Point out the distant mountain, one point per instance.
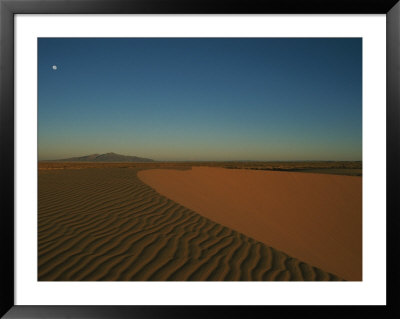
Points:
(107, 158)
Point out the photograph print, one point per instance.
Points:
(199, 159)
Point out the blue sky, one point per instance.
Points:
(201, 99)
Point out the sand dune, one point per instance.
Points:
(106, 224)
(314, 217)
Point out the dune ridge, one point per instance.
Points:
(106, 224)
(314, 217)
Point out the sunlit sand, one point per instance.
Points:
(314, 217)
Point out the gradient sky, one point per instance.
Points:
(201, 99)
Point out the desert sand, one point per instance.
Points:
(316, 218)
(100, 222)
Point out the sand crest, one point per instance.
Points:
(103, 223)
(316, 218)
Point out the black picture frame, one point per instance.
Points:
(8, 8)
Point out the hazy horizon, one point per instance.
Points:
(236, 99)
(233, 160)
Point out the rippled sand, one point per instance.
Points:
(104, 223)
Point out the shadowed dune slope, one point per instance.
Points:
(314, 217)
(106, 224)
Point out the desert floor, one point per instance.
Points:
(314, 217)
(102, 222)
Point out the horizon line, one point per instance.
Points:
(187, 161)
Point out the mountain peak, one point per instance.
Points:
(110, 157)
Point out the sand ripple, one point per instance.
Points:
(106, 224)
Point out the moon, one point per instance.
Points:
(54, 67)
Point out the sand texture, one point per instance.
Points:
(316, 218)
(106, 224)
